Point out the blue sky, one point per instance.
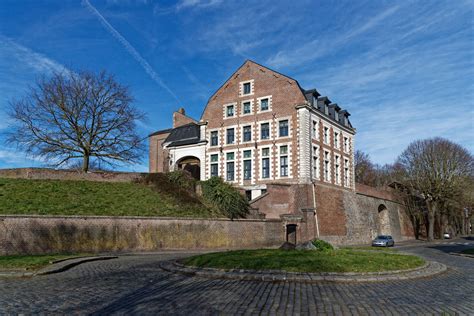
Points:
(403, 69)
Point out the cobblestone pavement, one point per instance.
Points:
(136, 285)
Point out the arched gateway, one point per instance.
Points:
(191, 164)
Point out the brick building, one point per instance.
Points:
(289, 149)
(260, 127)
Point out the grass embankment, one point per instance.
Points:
(342, 260)
(153, 197)
(32, 262)
(468, 251)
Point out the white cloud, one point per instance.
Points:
(325, 44)
(186, 4)
(25, 55)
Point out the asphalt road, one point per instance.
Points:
(136, 285)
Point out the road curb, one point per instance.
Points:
(56, 266)
(67, 264)
(430, 268)
(461, 254)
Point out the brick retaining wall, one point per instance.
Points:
(55, 234)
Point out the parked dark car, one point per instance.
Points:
(383, 241)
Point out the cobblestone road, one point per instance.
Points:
(136, 284)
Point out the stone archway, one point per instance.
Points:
(383, 221)
(192, 165)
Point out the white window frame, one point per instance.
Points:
(211, 163)
(218, 138)
(259, 102)
(315, 132)
(326, 137)
(337, 143)
(288, 155)
(328, 159)
(337, 169)
(234, 104)
(347, 169)
(259, 130)
(224, 176)
(252, 162)
(288, 118)
(242, 107)
(241, 88)
(260, 164)
(236, 130)
(345, 146)
(252, 136)
(316, 169)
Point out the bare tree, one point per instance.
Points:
(364, 168)
(436, 170)
(77, 116)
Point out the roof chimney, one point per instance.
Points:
(180, 118)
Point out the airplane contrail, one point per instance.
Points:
(130, 49)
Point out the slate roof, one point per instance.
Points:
(317, 102)
(163, 131)
(184, 135)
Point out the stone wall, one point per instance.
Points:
(46, 173)
(54, 234)
(283, 198)
(346, 217)
(342, 217)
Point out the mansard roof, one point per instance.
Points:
(332, 106)
(184, 135)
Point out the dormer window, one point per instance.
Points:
(326, 109)
(336, 115)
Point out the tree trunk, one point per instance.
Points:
(431, 219)
(85, 163)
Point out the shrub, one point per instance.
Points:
(322, 245)
(182, 179)
(225, 197)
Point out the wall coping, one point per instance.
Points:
(71, 171)
(91, 217)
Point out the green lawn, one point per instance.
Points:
(342, 260)
(60, 197)
(32, 262)
(468, 251)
